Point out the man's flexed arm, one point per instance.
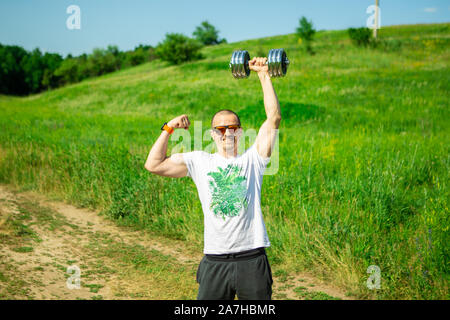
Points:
(157, 160)
(267, 134)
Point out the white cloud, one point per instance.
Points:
(430, 10)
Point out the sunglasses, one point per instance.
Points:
(223, 129)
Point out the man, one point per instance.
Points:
(229, 188)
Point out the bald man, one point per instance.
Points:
(229, 188)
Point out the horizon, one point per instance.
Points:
(276, 35)
(126, 26)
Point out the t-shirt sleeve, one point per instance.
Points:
(188, 160)
(191, 159)
(260, 162)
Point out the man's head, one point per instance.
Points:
(226, 138)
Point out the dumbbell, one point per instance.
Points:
(277, 62)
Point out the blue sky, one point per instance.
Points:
(127, 23)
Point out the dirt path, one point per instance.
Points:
(40, 239)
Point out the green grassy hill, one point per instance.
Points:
(363, 152)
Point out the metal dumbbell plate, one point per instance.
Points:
(278, 62)
(239, 64)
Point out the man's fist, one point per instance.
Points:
(258, 65)
(179, 122)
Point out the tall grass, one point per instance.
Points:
(364, 153)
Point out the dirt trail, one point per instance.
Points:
(40, 239)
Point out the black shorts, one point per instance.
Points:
(246, 274)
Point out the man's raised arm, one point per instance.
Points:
(267, 134)
(157, 160)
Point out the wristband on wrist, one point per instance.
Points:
(167, 128)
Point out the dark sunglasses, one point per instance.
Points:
(223, 129)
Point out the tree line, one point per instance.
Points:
(24, 72)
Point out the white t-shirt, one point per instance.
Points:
(230, 193)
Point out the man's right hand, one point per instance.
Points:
(180, 122)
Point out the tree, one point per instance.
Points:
(133, 58)
(68, 71)
(113, 49)
(178, 48)
(51, 62)
(12, 75)
(33, 68)
(140, 54)
(207, 34)
(23, 72)
(149, 52)
(306, 32)
(102, 61)
(84, 67)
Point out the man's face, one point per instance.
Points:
(230, 138)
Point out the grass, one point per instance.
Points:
(303, 293)
(363, 166)
(94, 287)
(23, 249)
(142, 272)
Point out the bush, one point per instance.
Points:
(140, 54)
(360, 36)
(178, 48)
(306, 32)
(207, 34)
(103, 61)
(68, 71)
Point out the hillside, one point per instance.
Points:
(363, 153)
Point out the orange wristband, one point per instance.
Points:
(167, 128)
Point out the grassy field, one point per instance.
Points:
(363, 153)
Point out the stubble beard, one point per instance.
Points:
(229, 147)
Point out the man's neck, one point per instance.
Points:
(230, 154)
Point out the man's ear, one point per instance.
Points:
(239, 132)
(213, 134)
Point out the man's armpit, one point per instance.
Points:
(177, 158)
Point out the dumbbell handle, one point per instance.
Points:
(285, 61)
(267, 62)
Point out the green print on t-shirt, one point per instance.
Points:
(228, 191)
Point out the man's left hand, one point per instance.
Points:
(259, 65)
